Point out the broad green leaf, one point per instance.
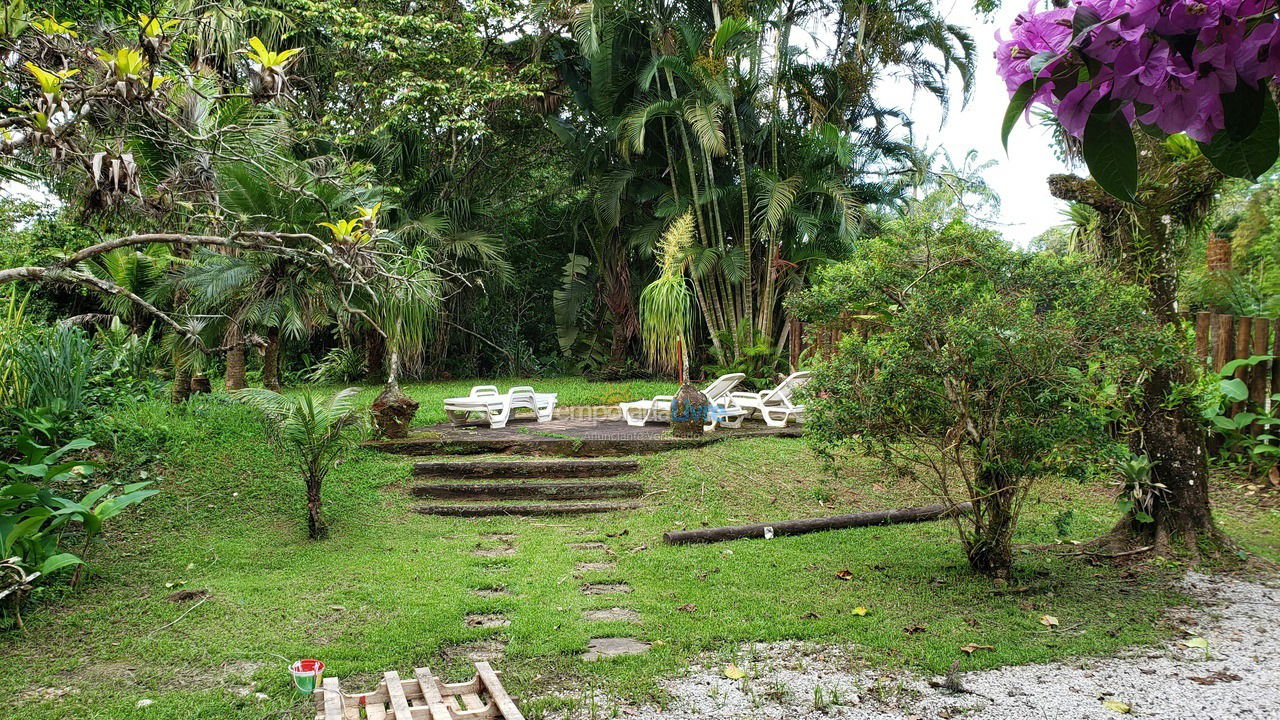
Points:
(1017, 106)
(1251, 156)
(1230, 368)
(1234, 389)
(1111, 155)
(57, 562)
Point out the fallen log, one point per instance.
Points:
(808, 525)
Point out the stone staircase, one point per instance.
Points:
(505, 487)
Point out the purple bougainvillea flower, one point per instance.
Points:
(1175, 59)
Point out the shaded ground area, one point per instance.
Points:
(575, 431)
(1232, 676)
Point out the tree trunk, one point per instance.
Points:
(235, 369)
(235, 360)
(181, 381)
(619, 298)
(271, 361)
(995, 514)
(374, 355)
(316, 528)
(1138, 240)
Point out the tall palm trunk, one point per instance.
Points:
(181, 380)
(708, 313)
(743, 187)
(271, 361)
(235, 358)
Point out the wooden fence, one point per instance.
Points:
(1221, 338)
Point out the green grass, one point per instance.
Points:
(390, 588)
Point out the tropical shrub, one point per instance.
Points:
(38, 521)
(314, 433)
(1249, 436)
(985, 367)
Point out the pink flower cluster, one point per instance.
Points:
(1167, 62)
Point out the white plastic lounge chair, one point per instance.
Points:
(722, 410)
(775, 405)
(497, 407)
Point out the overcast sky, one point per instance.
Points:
(1026, 207)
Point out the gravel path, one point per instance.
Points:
(1241, 679)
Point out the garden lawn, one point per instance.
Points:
(390, 588)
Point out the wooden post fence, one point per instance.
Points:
(1221, 338)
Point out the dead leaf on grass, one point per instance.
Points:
(859, 611)
(688, 607)
(1048, 621)
(844, 575)
(913, 629)
(972, 647)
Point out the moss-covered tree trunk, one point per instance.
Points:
(374, 355)
(1140, 239)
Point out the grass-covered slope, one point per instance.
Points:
(390, 588)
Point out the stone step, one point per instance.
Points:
(584, 490)
(559, 508)
(573, 468)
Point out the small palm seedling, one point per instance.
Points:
(269, 78)
(314, 432)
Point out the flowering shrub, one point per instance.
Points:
(1199, 67)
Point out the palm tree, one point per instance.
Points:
(774, 151)
(315, 433)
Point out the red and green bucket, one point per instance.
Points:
(306, 675)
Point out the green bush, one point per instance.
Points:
(984, 367)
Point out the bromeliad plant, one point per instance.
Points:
(314, 432)
(269, 78)
(50, 87)
(127, 69)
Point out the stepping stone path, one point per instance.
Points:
(606, 589)
(482, 651)
(494, 552)
(615, 614)
(505, 481)
(607, 647)
(524, 481)
(604, 648)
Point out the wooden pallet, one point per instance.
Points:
(424, 697)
